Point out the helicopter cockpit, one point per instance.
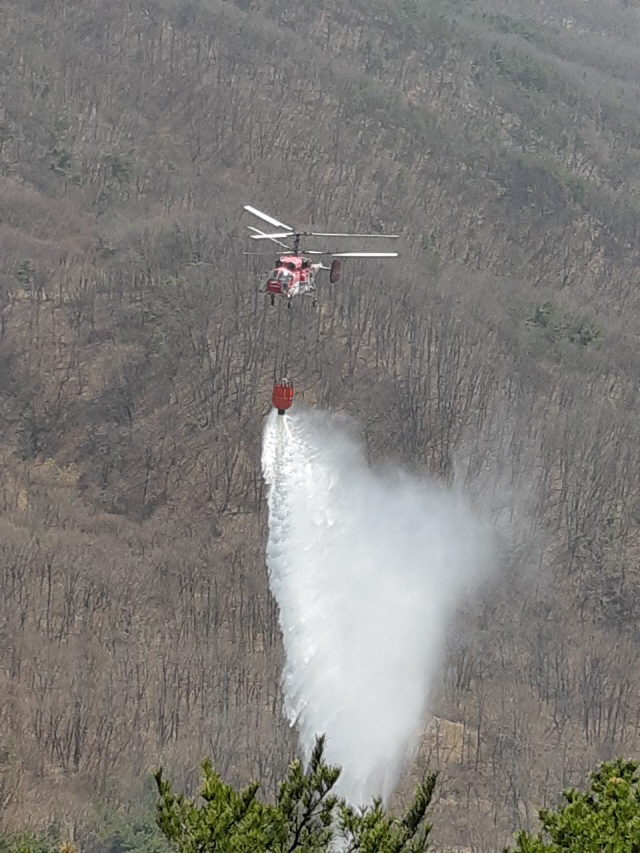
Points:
(284, 276)
(280, 280)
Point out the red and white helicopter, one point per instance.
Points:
(294, 273)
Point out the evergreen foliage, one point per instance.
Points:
(136, 831)
(25, 842)
(604, 819)
(307, 816)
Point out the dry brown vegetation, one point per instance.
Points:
(136, 358)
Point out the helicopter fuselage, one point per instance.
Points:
(293, 275)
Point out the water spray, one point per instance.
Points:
(368, 568)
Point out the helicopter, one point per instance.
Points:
(295, 272)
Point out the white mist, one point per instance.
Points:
(367, 568)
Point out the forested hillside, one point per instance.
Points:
(502, 141)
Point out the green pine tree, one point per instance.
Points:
(306, 817)
(604, 819)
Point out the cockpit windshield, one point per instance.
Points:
(283, 276)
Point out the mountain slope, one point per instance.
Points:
(137, 359)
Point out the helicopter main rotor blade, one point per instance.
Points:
(365, 255)
(267, 236)
(266, 218)
(272, 236)
(360, 236)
